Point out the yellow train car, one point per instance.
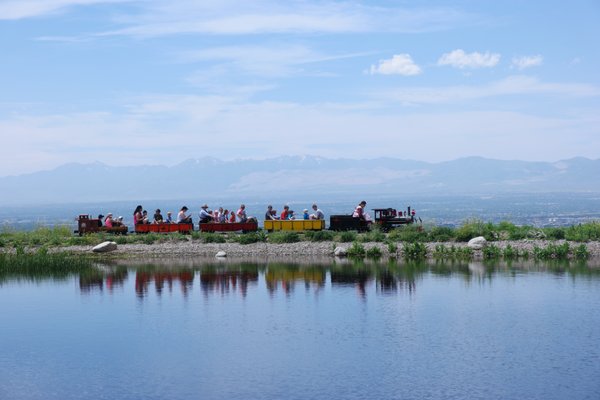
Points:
(295, 225)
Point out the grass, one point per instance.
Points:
(356, 250)
(414, 251)
(41, 264)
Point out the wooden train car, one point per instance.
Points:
(164, 228)
(228, 227)
(85, 224)
(295, 225)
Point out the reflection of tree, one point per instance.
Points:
(286, 276)
(225, 280)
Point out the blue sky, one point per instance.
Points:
(157, 81)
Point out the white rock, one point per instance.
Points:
(221, 253)
(477, 243)
(105, 247)
(340, 252)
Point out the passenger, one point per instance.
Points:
(223, 217)
(305, 215)
(100, 216)
(158, 218)
(108, 221)
(291, 215)
(284, 213)
(241, 213)
(205, 215)
(182, 218)
(232, 217)
(137, 215)
(145, 217)
(219, 215)
(118, 221)
(318, 213)
(270, 214)
(359, 211)
(169, 219)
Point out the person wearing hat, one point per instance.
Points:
(305, 215)
(158, 219)
(108, 221)
(100, 216)
(169, 219)
(205, 215)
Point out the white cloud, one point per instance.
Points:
(399, 64)
(526, 61)
(19, 9)
(459, 59)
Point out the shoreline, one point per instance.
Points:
(304, 249)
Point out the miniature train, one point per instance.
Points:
(384, 218)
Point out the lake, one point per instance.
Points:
(181, 329)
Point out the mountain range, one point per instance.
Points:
(290, 177)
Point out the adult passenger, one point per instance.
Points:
(359, 211)
(318, 214)
(285, 212)
(270, 214)
(182, 218)
(158, 218)
(241, 214)
(205, 215)
(108, 221)
(137, 215)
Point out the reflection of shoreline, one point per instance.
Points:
(225, 281)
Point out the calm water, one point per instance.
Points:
(284, 331)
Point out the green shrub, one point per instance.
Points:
(392, 248)
(374, 252)
(581, 252)
(249, 238)
(373, 236)
(491, 252)
(408, 233)
(210, 237)
(319, 236)
(554, 233)
(510, 253)
(473, 228)
(356, 250)
(283, 237)
(414, 251)
(348, 236)
(583, 232)
(552, 251)
(441, 234)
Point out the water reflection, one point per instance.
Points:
(286, 276)
(102, 277)
(145, 276)
(223, 281)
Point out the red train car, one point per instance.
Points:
(164, 228)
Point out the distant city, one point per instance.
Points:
(547, 209)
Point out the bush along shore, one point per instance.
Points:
(504, 241)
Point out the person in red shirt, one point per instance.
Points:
(285, 212)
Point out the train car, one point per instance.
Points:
(295, 225)
(164, 228)
(347, 223)
(85, 224)
(385, 218)
(229, 227)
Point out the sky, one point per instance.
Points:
(161, 81)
